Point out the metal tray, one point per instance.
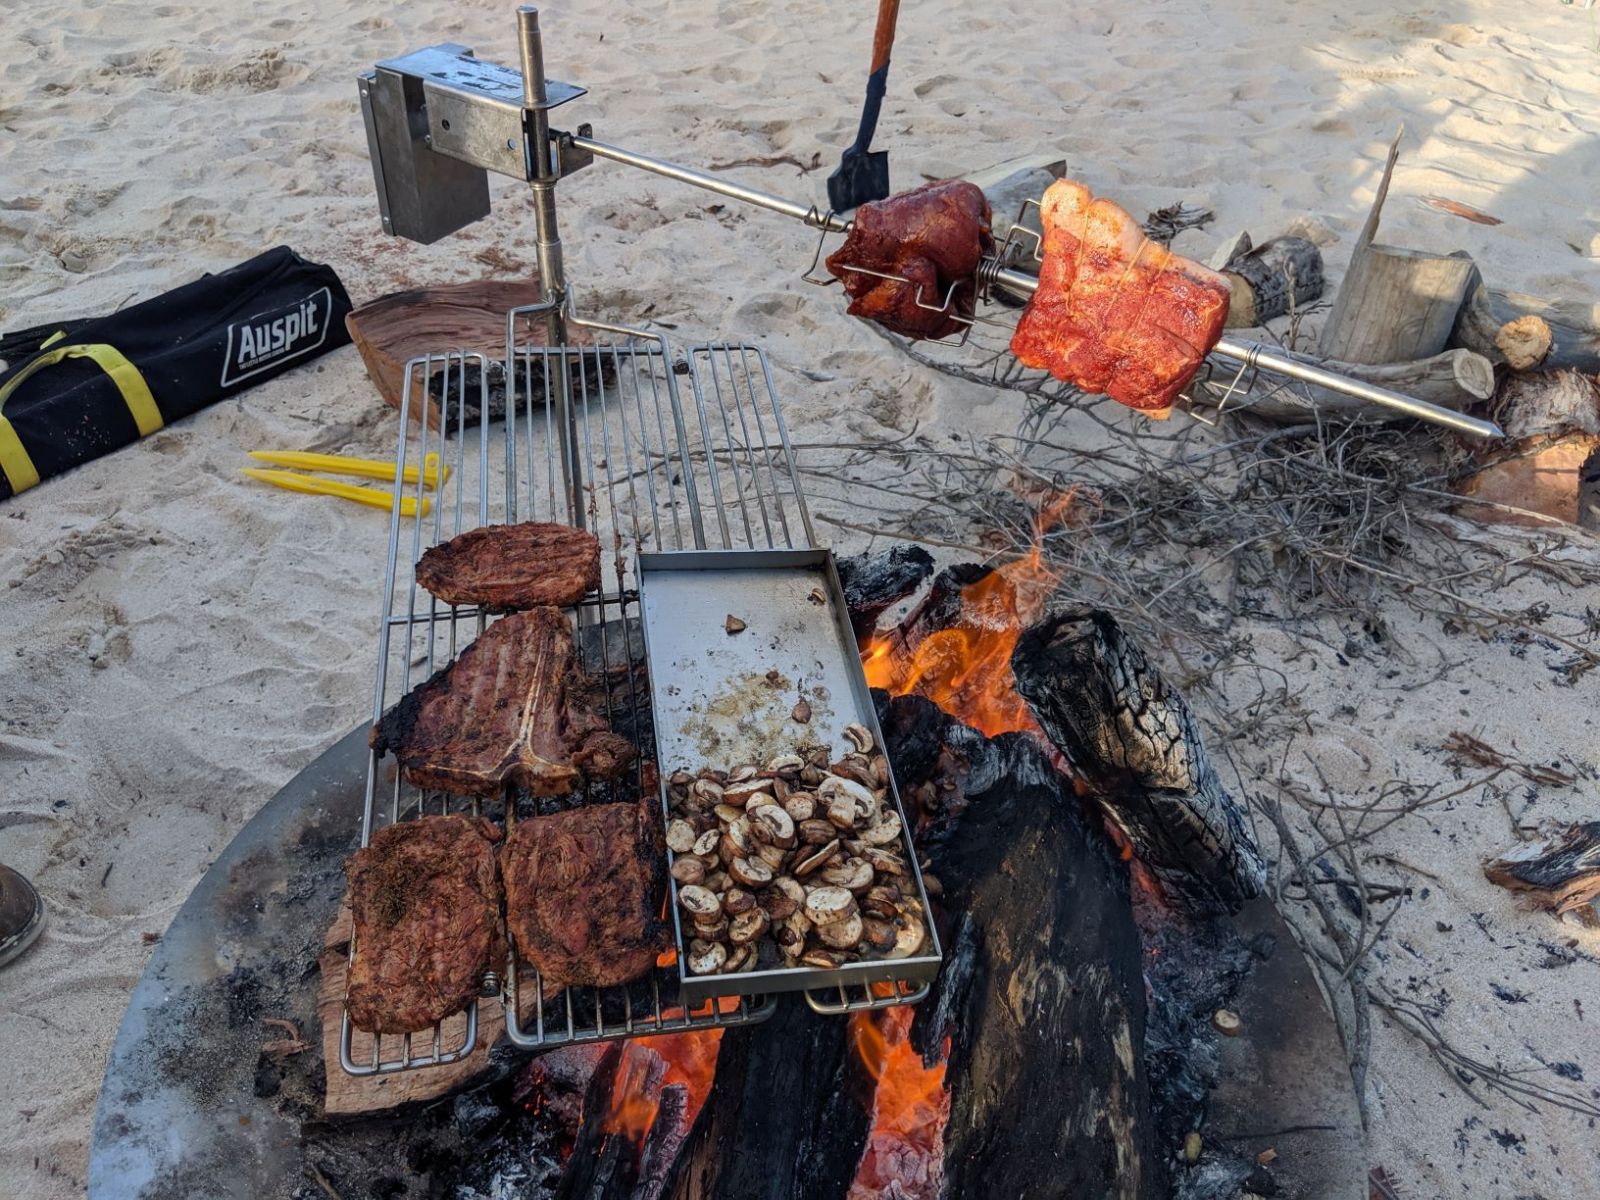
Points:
(716, 703)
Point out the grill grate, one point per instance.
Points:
(662, 453)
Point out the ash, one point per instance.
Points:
(1193, 967)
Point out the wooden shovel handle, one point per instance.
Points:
(883, 36)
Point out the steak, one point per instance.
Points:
(1115, 312)
(426, 904)
(933, 238)
(584, 892)
(509, 567)
(513, 709)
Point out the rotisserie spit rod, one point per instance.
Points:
(1251, 354)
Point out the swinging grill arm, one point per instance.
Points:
(1251, 354)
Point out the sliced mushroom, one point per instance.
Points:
(734, 625)
(882, 901)
(878, 935)
(884, 831)
(706, 958)
(717, 881)
(860, 737)
(783, 898)
(841, 935)
(711, 931)
(910, 938)
(801, 806)
(854, 874)
(788, 940)
(689, 869)
(727, 813)
(778, 823)
(700, 901)
(786, 764)
(742, 959)
(737, 900)
(835, 791)
(880, 770)
(825, 905)
(708, 790)
(824, 960)
(885, 862)
(751, 872)
(681, 778)
(680, 836)
(801, 712)
(746, 790)
(774, 856)
(736, 841)
(816, 832)
(741, 773)
(748, 926)
(811, 862)
(855, 767)
(811, 776)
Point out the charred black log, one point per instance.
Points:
(1129, 735)
(1041, 998)
(875, 582)
(783, 1119)
(1558, 874)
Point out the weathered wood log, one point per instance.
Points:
(1394, 304)
(1131, 737)
(1558, 874)
(1525, 342)
(1457, 379)
(1269, 280)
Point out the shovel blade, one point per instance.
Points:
(863, 175)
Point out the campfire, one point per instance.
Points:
(1030, 1053)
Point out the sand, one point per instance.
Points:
(178, 642)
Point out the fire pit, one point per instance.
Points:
(1066, 1038)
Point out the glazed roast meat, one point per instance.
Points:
(1116, 312)
(426, 906)
(513, 709)
(584, 893)
(505, 568)
(934, 236)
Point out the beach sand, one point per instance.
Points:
(176, 642)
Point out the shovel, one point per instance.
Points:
(863, 173)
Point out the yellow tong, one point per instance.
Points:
(431, 474)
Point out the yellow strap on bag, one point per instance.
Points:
(14, 461)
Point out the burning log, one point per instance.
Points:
(873, 583)
(1041, 1005)
(1559, 874)
(1129, 735)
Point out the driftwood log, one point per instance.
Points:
(1395, 304)
(1558, 874)
(1131, 737)
(1271, 279)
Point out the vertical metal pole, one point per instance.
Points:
(552, 276)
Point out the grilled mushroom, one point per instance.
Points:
(783, 898)
(751, 872)
(727, 813)
(811, 862)
(706, 844)
(825, 960)
(689, 869)
(841, 935)
(910, 938)
(882, 901)
(736, 901)
(877, 935)
(741, 773)
(711, 930)
(815, 831)
(708, 790)
(786, 764)
(742, 959)
(706, 958)
(853, 874)
(748, 926)
(884, 831)
(746, 790)
(884, 861)
(860, 737)
(779, 824)
(717, 881)
(825, 905)
(856, 767)
(774, 856)
(847, 797)
(680, 836)
(801, 806)
(699, 901)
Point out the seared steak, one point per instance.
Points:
(426, 905)
(513, 709)
(509, 567)
(583, 894)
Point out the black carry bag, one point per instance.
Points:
(87, 388)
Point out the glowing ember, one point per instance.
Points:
(691, 1060)
(904, 1155)
(966, 669)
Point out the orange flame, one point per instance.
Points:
(904, 1155)
(966, 669)
(691, 1060)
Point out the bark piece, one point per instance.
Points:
(1559, 874)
